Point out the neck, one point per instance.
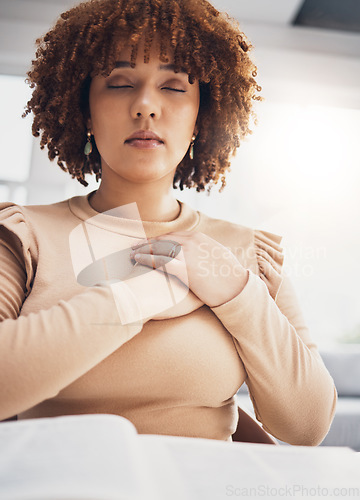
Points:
(153, 205)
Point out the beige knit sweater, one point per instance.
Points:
(64, 351)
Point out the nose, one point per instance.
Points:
(145, 104)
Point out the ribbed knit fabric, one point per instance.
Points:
(64, 349)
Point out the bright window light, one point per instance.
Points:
(299, 176)
(4, 192)
(15, 132)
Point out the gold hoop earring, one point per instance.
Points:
(191, 151)
(88, 146)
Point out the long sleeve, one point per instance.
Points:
(43, 352)
(293, 394)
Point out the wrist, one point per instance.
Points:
(235, 288)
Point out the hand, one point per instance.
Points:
(209, 269)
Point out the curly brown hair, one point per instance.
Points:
(84, 43)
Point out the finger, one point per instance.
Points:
(143, 242)
(153, 261)
(165, 265)
(159, 247)
(153, 264)
(139, 244)
(154, 244)
(176, 234)
(163, 237)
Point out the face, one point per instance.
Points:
(142, 118)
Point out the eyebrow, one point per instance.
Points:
(162, 67)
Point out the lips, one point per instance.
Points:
(144, 135)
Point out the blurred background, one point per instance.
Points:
(298, 175)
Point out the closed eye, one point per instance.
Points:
(171, 88)
(130, 87)
(119, 87)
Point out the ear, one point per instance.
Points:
(88, 124)
(196, 128)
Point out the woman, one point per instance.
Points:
(127, 301)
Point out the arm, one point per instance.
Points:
(293, 394)
(42, 353)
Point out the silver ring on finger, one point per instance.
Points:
(173, 252)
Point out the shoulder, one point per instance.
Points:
(262, 240)
(20, 224)
(20, 231)
(13, 223)
(20, 218)
(257, 249)
(15, 216)
(17, 239)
